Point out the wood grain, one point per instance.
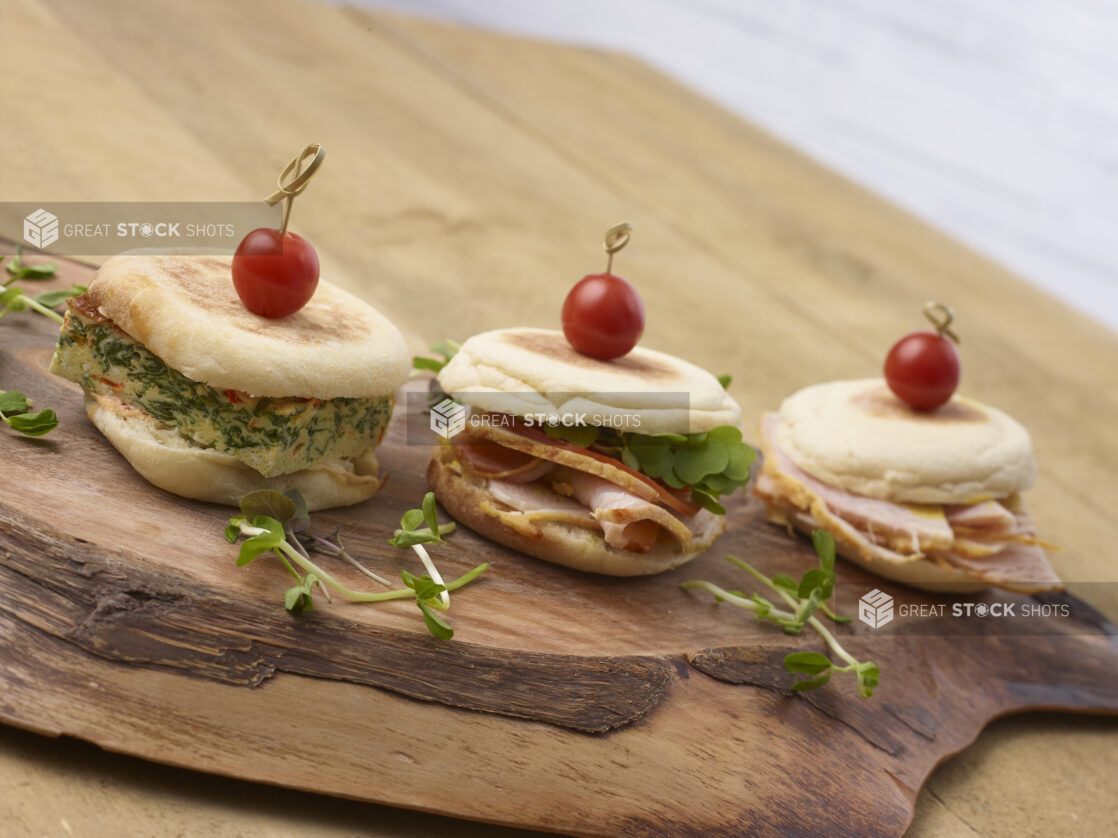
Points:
(155, 618)
(140, 588)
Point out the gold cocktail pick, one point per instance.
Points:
(616, 238)
(300, 177)
(941, 317)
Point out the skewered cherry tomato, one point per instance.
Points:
(922, 369)
(603, 316)
(275, 275)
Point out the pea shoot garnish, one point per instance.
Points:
(14, 298)
(446, 348)
(14, 406)
(276, 523)
(14, 412)
(804, 598)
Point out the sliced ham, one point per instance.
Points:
(988, 517)
(817, 516)
(912, 530)
(534, 497)
(538, 444)
(1018, 567)
(985, 528)
(609, 503)
(975, 549)
(582, 487)
(639, 537)
(534, 503)
(626, 521)
(992, 541)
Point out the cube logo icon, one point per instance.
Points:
(40, 229)
(448, 418)
(875, 609)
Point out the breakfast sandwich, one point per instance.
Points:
(928, 498)
(610, 466)
(210, 401)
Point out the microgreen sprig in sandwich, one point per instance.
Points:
(710, 464)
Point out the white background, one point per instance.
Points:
(996, 120)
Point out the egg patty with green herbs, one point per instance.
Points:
(272, 435)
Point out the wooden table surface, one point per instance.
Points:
(468, 180)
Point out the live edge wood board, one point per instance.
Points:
(566, 702)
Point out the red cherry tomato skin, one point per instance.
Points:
(603, 316)
(274, 276)
(922, 369)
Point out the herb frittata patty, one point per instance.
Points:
(272, 435)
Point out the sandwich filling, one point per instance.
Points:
(533, 478)
(992, 540)
(274, 436)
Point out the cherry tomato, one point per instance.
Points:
(603, 316)
(275, 276)
(923, 370)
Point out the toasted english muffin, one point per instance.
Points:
(186, 311)
(571, 545)
(526, 371)
(858, 436)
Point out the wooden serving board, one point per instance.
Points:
(566, 702)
